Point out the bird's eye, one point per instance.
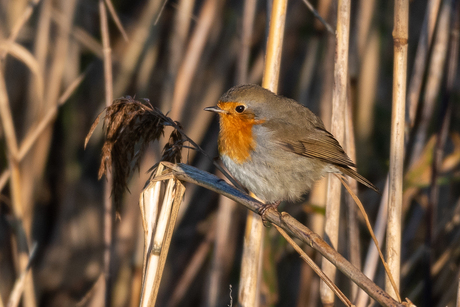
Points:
(240, 108)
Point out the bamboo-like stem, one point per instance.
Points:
(158, 239)
(400, 37)
(274, 45)
(253, 239)
(250, 261)
(108, 204)
(339, 98)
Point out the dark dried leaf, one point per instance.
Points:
(129, 126)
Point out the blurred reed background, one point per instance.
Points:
(182, 55)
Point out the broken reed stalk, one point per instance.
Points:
(250, 274)
(400, 38)
(157, 235)
(108, 201)
(339, 101)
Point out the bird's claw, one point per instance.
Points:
(263, 211)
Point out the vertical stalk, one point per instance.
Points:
(423, 47)
(352, 216)
(400, 37)
(339, 98)
(108, 206)
(249, 278)
(225, 216)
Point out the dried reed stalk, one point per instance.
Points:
(400, 37)
(177, 45)
(16, 193)
(285, 221)
(194, 51)
(158, 239)
(372, 257)
(225, 234)
(249, 285)
(19, 285)
(108, 204)
(423, 47)
(224, 250)
(132, 54)
(196, 264)
(253, 239)
(18, 26)
(315, 268)
(352, 217)
(435, 74)
(339, 99)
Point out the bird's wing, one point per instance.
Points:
(316, 143)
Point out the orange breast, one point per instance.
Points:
(236, 139)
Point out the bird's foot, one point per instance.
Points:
(263, 210)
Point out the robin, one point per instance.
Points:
(276, 147)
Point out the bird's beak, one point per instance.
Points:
(214, 109)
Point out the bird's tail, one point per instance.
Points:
(354, 174)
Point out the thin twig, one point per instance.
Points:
(368, 224)
(318, 16)
(20, 282)
(108, 204)
(160, 13)
(315, 268)
(117, 21)
(18, 26)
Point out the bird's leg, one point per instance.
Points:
(264, 209)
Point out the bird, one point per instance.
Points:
(276, 147)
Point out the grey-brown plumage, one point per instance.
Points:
(288, 148)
